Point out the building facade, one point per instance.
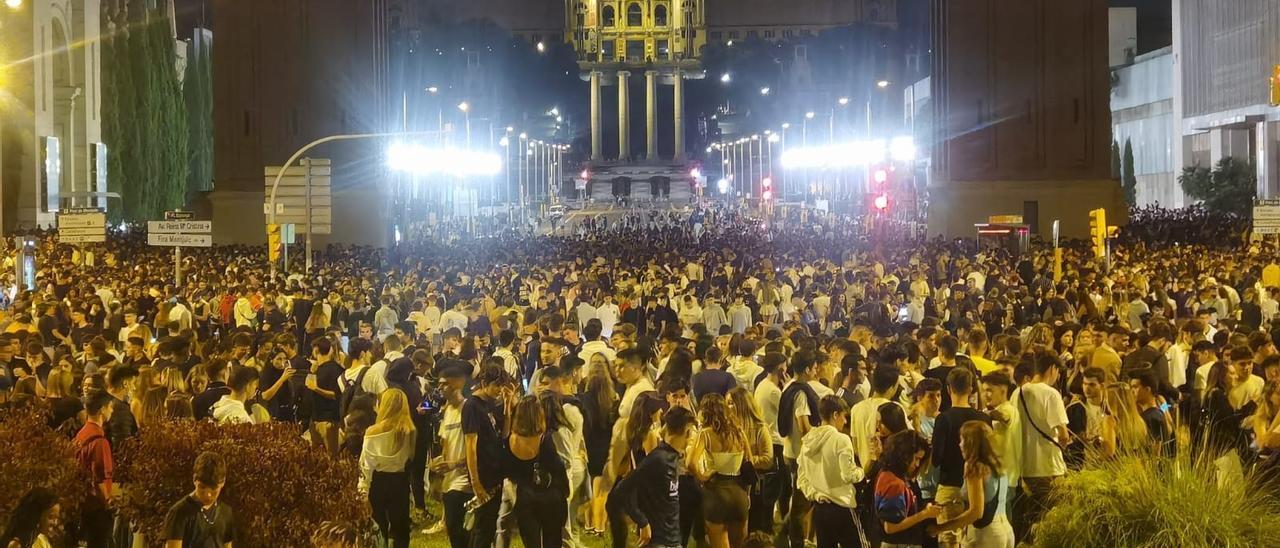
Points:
(1021, 120)
(1223, 55)
(1142, 119)
(51, 155)
(286, 73)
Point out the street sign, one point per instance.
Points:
(180, 240)
(304, 196)
(1005, 219)
(176, 227)
(82, 226)
(90, 239)
(1266, 216)
(179, 215)
(82, 220)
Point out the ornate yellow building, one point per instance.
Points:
(663, 39)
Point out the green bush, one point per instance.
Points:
(280, 488)
(1146, 501)
(32, 455)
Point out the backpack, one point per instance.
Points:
(353, 391)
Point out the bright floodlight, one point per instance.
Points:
(882, 84)
(464, 106)
(725, 78)
(809, 115)
(902, 149)
(723, 186)
(420, 160)
(764, 90)
(843, 101)
(785, 125)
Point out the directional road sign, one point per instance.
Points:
(180, 240)
(177, 227)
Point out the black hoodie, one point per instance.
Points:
(650, 495)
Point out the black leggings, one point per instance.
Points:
(541, 515)
(454, 514)
(834, 526)
(389, 498)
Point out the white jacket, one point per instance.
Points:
(229, 411)
(381, 453)
(825, 469)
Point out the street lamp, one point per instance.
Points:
(466, 115)
(541, 47)
(433, 89)
(764, 90)
(882, 84)
(725, 78)
(843, 101)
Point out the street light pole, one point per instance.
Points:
(275, 184)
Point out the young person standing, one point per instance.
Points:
(649, 495)
(384, 457)
(200, 519)
(826, 473)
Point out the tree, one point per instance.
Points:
(144, 118)
(1129, 181)
(1229, 188)
(197, 88)
(1115, 159)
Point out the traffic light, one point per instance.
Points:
(880, 176)
(766, 188)
(275, 245)
(882, 202)
(1275, 85)
(1098, 232)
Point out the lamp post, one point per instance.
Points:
(465, 107)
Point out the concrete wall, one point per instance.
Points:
(956, 207)
(359, 218)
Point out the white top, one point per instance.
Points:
(1044, 408)
(454, 450)
(791, 444)
(629, 397)
(863, 419)
(1247, 391)
(768, 398)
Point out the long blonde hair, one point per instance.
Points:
(1118, 402)
(977, 440)
(394, 416)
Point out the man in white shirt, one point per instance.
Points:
(864, 418)
(454, 318)
(631, 373)
(768, 396)
(1041, 433)
(608, 314)
(375, 381)
(713, 316)
(1206, 355)
(592, 332)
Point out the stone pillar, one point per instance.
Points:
(651, 113)
(678, 108)
(596, 153)
(1267, 159)
(624, 117)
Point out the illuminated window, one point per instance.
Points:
(635, 15)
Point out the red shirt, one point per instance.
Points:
(93, 452)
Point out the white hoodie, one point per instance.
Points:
(825, 469)
(229, 411)
(380, 453)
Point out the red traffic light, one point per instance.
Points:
(767, 194)
(767, 182)
(882, 201)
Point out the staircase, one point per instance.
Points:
(642, 176)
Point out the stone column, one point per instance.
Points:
(678, 108)
(596, 152)
(624, 117)
(651, 113)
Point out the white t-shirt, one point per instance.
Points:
(455, 450)
(1043, 407)
(791, 445)
(768, 398)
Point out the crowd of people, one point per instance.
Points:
(714, 379)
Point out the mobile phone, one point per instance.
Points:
(425, 405)
(1164, 407)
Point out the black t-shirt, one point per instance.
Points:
(325, 409)
(46, 325)
(199, 528)
(1158, 429)
(281, 407)
(946, 443)
(484, 419)
(712, 381)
